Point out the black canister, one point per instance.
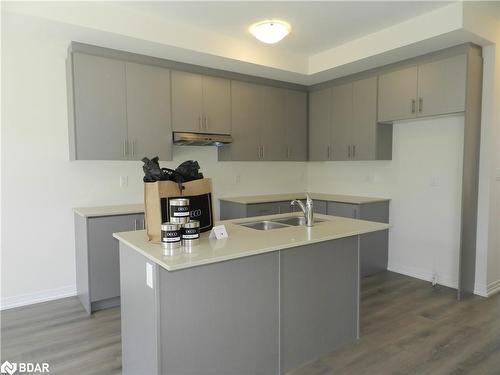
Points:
(190, 234)
(179, 210)
(171, 234)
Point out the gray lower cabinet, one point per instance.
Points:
(117, 110)
(97, 258)
(263, 314)
(231, 210)
(374, 247)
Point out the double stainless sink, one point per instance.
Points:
(278, 223)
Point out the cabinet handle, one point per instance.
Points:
(353, 151)
(420, 105)
(288, 152)
(328, 152)
(124, 147)
(413, 106)
(205, 120)
(135, 224)
(143, 223)
(355, 213)
(258, 152)
(133, 147)
(349, 152)
(200, 125)
(263, 151)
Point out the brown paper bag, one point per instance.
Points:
(156, 198)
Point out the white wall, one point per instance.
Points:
(423, 181)
(40, 185)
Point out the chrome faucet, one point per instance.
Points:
(307, 209)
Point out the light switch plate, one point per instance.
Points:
(123, 181)
(149, 275)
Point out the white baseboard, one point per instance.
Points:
(37, 297)
(422, 274)
(493, 288)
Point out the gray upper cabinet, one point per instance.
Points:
(365, 131)
(273, 127)
(342, 114)
(120, 110)
(187, 102)
(268, 123)
(200, 104)
(343, 123)
(441, 86)
(148, 111)
(246, 109)
(217, 105)
(397, 93)
(320, 116)
(429, 89)
(99, 107)
(296, 125)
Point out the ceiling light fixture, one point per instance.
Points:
(270, 31)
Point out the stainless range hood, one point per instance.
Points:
(199, 139)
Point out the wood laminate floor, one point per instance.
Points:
(407, 327)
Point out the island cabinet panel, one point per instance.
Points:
(341, 125)
(222, 318)
(374, 247)
(139, 313)
(97, 258)
(319, 300)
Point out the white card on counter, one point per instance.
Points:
(219, 232)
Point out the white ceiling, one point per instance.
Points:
(316, 26)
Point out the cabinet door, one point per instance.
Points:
(99, 108)
(273, 128)
(104, 260)
(216, 105)
(341, 121)
(343, 209)
(187, 108)
(364, 121)
(441, 86)
(296, 124)
(148, 111)
(263, 209)
(320, 124)
(397, 92)
(246, 112)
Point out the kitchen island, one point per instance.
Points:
(258, 302)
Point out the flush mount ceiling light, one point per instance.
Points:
(270, 31)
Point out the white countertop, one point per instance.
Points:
(351, 199)
(245, 241)
(125, 209)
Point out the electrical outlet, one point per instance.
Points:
(123, 181)
(149, 275)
